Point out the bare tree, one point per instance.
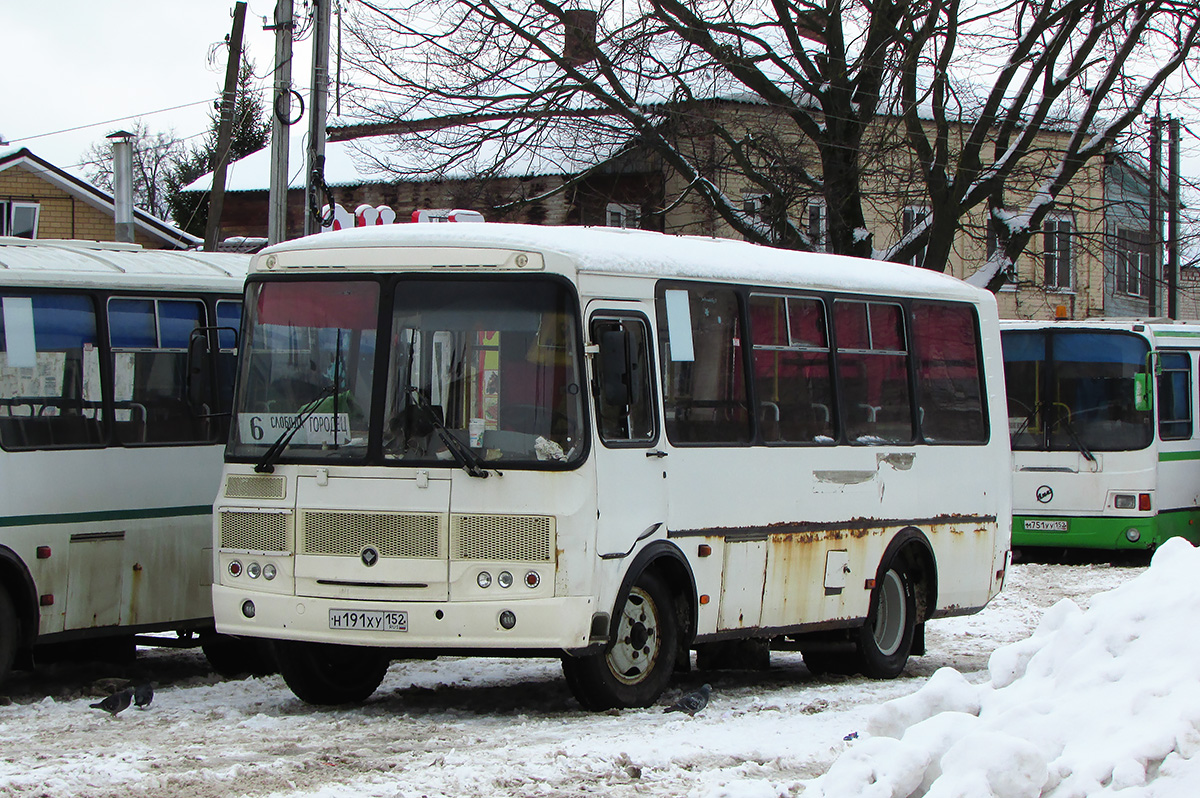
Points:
(963, 108)
(153, 155)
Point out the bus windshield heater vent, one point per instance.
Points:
(254, 487)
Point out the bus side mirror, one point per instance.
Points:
(615, 368)
(1143, 399)
(198, 370)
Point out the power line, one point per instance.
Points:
(110, 121)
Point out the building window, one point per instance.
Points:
(622, 215)
(19, 219)
(910, 219)
(814, 224)
(1059, 271)
(1133, 262)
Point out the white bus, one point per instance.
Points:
(110, 451)
(609, 446)
(1106, 446)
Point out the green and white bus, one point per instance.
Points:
(1103, 420)
(110, 447)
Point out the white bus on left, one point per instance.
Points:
(110, 449)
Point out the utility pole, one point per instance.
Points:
(1155, 210)
(278, 198)
(216, 201)
(317, 103)
(1172, 216)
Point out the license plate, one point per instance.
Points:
(1046, 526)
(369, 620)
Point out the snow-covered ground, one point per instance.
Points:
(1103, 700)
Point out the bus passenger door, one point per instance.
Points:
(630, 468)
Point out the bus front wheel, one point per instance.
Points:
(635, 668)
(886, 639)
(328, 674)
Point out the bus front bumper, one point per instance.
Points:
(561, 624)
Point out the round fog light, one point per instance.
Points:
(253, 570)
(248, 608)
(484, 579)
(508, 619)
(505, 579)
(269, 572)
(1132, 535)
(532, 579)
(235, 568)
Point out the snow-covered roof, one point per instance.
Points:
(69, 262)
(389, 159)
(646, 253)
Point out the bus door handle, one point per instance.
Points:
(656, 453)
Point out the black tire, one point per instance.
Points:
(636, 667)
(886, 639)
(328, 674)
(10, 632)
(233, 657)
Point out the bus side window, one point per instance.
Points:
(1174, 397)
(946, 344)
(704, 383)
(873, 371)
(624, 387)
(150, 340)
(792, 375)
(49, 372)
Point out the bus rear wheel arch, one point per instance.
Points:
(10, 633)
(635, 667)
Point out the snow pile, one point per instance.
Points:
(1098, 703)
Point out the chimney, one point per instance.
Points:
(122, 149)
(579, 35)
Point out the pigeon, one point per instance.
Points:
(691, 703)
(115, 702)
(143, 694)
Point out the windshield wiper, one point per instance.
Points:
(462, 454)
(267, 464)
(1074, 436)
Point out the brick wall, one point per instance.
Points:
(62, 215)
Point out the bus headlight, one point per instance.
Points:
(505, 579)
(484, 579)
(1125, 501)
(1133, 535)
(254, 570)
(269, 572)
(508, 619)
(248, 608)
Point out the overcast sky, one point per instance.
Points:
(100, 65)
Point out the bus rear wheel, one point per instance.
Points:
(886, 639)
(635, 668)
(9, 632)
(328, 674)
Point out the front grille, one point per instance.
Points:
(254, 487)
(518, 538)
(254, 531)
(411, 535)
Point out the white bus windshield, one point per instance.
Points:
(1076, 390)
(484, 372)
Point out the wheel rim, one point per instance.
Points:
(891, 615)
(636, 648)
